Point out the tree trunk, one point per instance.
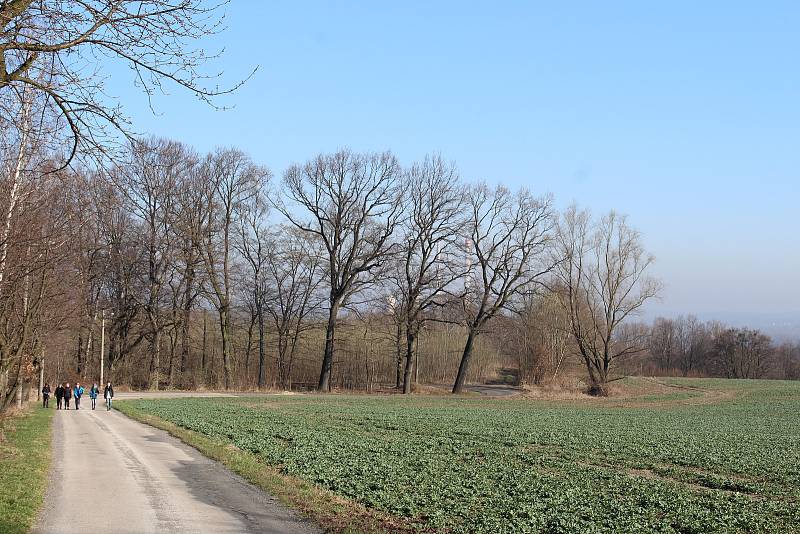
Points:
(398, 374)
(461, 377)
(262, 371)
(41, 379)
(367, 380)
(184, 334)
(185, 321)
(79, 366)
(173, 342)
(327, 359)
(224, 322)
(88, 352)
(410, 338)
(203, 362)
(282, 356)
(597, 380)
(288, 357)
(155, 365)
(249, 351)
(3, 388)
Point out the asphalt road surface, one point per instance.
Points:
(487, 390)
(112, 474)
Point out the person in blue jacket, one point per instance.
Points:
(93, 392)
(78, 393)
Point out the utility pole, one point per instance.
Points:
(41, 377)
(102, 344)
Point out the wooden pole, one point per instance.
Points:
(41, 378)
(102, 345)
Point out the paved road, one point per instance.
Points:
(487, 390)
(112, 474)
(494, 390)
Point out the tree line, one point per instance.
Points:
(162, 236)
(180, 269)
(687, 346)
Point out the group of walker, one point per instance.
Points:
(64, 393)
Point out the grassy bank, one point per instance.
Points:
(710, 456)
(24, 461)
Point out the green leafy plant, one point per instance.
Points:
(731, 464)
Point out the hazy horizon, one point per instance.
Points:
(683, 117)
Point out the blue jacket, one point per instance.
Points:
(78, 392)
(93, 391)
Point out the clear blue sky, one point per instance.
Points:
(683, 115)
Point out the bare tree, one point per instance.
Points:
(537, 337)
(430, 259)
(743, 353)
(122, 283)
(253, 245)
(509, 235)
(664, 343)
(602, 270)
(353, 201)
(52, 47)
(189, 228)
(91, 265)
(679, 343)
(34, 227)
(37, 276)
(232, 179)
(151, 178)
(788, 356)
(294, 272)
(695, 344)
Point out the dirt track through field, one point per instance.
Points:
(113, 474)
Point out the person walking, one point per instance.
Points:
(67, 396)
(59, 396)
(78, 393)
(93, 392)
(108, 394)
(46, 396)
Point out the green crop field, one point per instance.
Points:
(716, 456)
